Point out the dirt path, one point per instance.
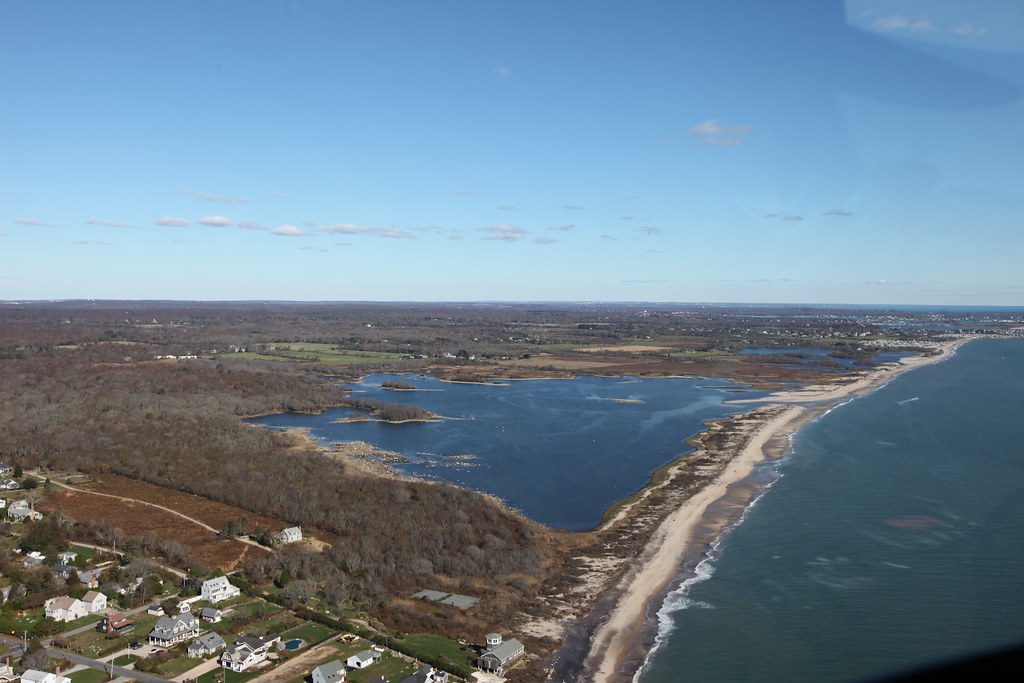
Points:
(299, 666)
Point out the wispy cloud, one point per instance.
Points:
(108, 224)
(564, 228)
(836, 212)
(898, 22)
(626, 218)
(792, 218)
(172, 222)
(572, 207)
(504, 233)
(649, 230)
(279, 195)
(463, 194)
(355, 229)
(714, 134)
(208, 197)
(80, 243)
(320, 250)
(216, 221)
(288, 231)
(641, 282)
(508, 207)
(545, 240)
(785, 217)
(771, 215)
(36, 223)
(250, 225)
(610, 238)
(968, 30)
(655, 251)
(502, 72)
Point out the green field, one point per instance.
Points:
(389, 667)
(95, 644)
(88, 676)
(125, 660)
(321, 354)
(178, 666)
(229, 676)
(438, 648)
(311, 632)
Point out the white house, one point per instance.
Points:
(20, 510)
(9, 485)
(186, 605)
(34, 676)
(363, 659)
(96, 601)
(67, 557)
(173, 630)
(7, 672)
(91, 578)
(65, 608)
(218, 590)
(211, 614)
(292, 534)
(248, 652)
(331, 672)
(33, 559)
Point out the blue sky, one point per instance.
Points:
(763, 151)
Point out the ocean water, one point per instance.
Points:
(893, 538)
(559, 450)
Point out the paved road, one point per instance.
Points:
(75, 658)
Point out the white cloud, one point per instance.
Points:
(968, 30)
(172, 222)
(288, 231)
(649, 230)
(836, 212)
(502, 72)
(35, 223)
(504, 233)
(279, 195)
(564, 228)
(216, 221)
(356, 229)
(898, 22)
(107, 224)
(250, 225)
(207, 197)
(572, 207)
(716, 135)
(545, 240)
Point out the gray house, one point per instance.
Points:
(499, 653)
(331, 672)
(173, 630)
(206, 644)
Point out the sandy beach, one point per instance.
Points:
(613, 647)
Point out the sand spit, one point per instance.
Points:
(637, 553)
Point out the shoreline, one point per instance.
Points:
(620, 629)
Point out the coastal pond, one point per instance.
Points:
(561, 451)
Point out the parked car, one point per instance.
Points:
(134, 646)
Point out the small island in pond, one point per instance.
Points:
(387, 412)
(398, 386)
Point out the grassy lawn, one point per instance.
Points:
(79, 623)
(95, 644)
(311, 632)
(125, 660)
(324, 354)
(429, 645)
(390, 667)
(229, 676)
(88, 676)
(179, 665)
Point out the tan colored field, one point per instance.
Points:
(136, 519)
(626, 348)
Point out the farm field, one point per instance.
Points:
(321, 354)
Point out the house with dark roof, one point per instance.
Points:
(206, 644)
(248, 651)
(499, 653)
(427, 674)
(173, 630)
